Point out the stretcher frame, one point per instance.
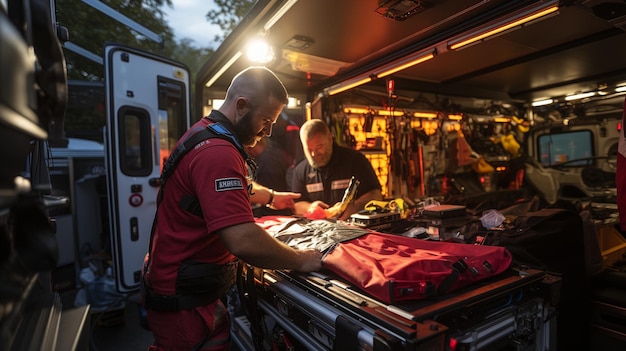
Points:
(321, 311)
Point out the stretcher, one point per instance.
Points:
(320, 311)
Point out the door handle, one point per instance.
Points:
(155, 182)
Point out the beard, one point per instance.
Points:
(312, 161)
(323, 160)
(245, 130)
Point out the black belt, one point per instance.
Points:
(197, 284)
(158, 302)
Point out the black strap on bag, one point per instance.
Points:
(458, 267)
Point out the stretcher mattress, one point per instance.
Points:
(391, 267)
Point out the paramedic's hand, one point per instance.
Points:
(311, 260)
(284, 200)
(317, 210)
(333, 211)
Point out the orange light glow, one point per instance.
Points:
(507, 26)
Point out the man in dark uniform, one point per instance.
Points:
(323, 177)
(204, 220)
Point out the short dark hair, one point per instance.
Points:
(257, 83)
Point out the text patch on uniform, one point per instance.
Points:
(224, 184)
(316, 187)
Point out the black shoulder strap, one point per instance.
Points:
(214, 130)
(181, 150)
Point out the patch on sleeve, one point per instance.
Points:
(225, 184)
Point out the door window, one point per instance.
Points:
(172, 116)
(135, 134)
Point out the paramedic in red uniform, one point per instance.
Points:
(189, 265)
(324, 175)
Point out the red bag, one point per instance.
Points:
(394, 268)
(620, 173)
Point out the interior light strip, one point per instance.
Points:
(356, 110)
(338, 88)
(579, 96)
(542, 102)
(393, 113)
(307, 111)
(425, 115)
(279, 14)
(223, 69)
(406, 64)
(504, 27)
(621, 89)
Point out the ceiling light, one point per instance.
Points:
(259, 51)
(542, 102)
(217, 103)
(299, 42)
(579, 96)
(519, 20)
(223, 69)
(620, 89)
(293, 102)
(343, 86)
(307, 111)
(312, 64)
(386, 70)
(399, 10)
(278, 14)
(406, 63)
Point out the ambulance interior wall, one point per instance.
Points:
(82, 227)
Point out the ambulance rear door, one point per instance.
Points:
(147, 100)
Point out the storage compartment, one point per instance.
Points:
(612, 244)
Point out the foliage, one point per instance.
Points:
(90, 29)
(228, 15)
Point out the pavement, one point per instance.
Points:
(114, 327)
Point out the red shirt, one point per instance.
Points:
(217, 175)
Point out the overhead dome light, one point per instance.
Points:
(259, 51)
(400, 10)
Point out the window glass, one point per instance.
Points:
(172, 115)
(135, 135)
(557, 148)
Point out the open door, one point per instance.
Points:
(148, 110)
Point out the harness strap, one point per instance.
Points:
(177, 302)
(458, 267)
